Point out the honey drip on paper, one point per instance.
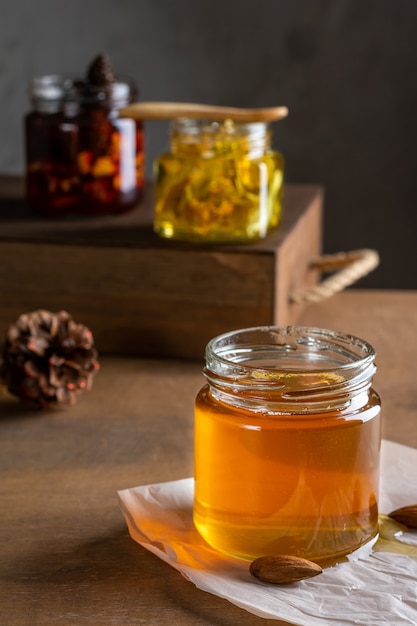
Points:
(388, 541)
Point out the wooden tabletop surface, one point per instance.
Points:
(66, 556)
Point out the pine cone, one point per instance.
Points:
(100, 71)
(48, 359)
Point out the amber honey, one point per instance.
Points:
(287, 437)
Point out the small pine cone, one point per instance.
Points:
(48, 359)
(100, 71)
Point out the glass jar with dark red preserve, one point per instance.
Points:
(82, 158)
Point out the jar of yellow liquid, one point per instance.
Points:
(221, 182)
(287, 443)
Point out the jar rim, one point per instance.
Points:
(196, 126)
(294, 348)
(71, 88)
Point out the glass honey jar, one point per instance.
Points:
(81, 157)
(220, 183)
(287, 444)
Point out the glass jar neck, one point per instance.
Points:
(290, 370)
(59, 93)
(209, 139)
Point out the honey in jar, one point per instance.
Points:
(81, 157)
(287, 442)
(221, 183)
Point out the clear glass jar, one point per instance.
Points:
(287, 443)
(81, 157)
(221, 183)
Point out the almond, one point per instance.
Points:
(282, 569)
(406, 515)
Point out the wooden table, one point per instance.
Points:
(66, 557)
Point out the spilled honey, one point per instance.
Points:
(389, 540)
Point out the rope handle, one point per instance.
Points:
(351, 265)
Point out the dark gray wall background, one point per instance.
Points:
(347, 70)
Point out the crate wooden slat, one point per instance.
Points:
(141, 295)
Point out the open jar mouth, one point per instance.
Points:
(292, 361)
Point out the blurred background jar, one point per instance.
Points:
(220, 183)
(81, 157)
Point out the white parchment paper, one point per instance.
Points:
(379, 589)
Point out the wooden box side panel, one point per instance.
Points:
(139, 301)
(143, 296)
(293, 261)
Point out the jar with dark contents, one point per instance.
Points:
(81, 157)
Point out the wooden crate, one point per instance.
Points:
(141, 295)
